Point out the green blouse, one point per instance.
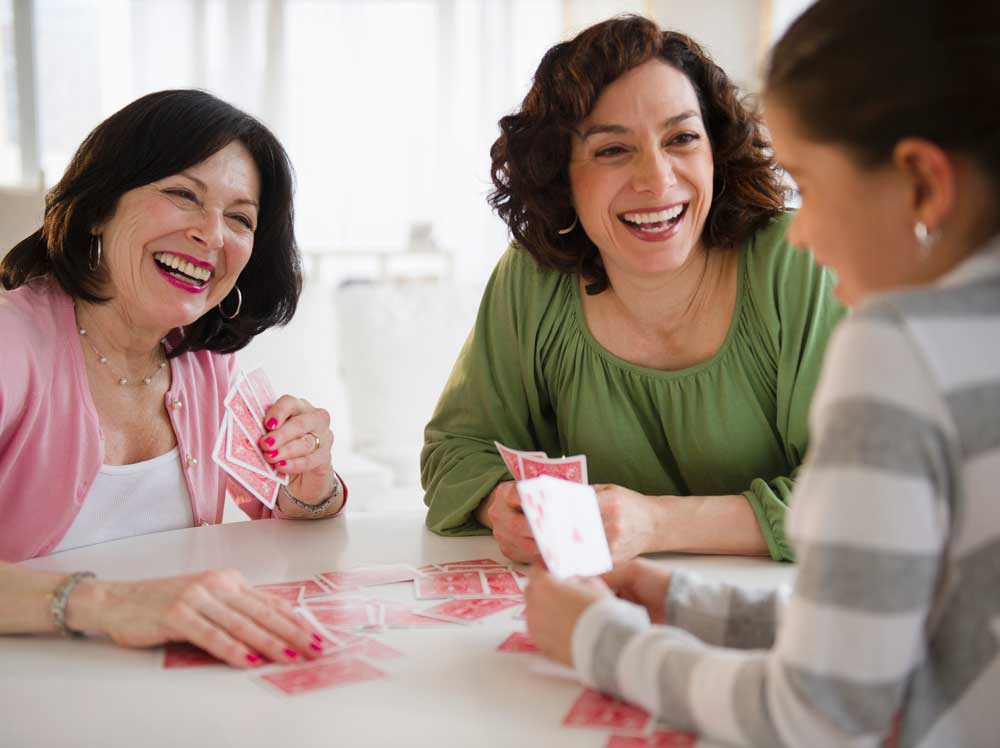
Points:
(531, 376)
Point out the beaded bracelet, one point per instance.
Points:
(59, 599)
(316, 508)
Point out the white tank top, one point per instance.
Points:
(127, 500)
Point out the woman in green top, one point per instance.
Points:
(650, 315)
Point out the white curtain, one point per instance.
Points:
(387, 107)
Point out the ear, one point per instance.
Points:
(930, 175)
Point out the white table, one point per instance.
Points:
(452, 688)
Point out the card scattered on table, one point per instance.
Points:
(596, 710)
(323, 674)
(566, 523)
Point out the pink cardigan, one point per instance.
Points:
(50, 438)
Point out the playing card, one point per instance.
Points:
(261, 387)
(450, 584)
(512, 459)
(396, 615)
(657, 739)
(337, 671)
(344, 616)
(502, 583)
(265, 490)
(238, 407)
(293, 592)
(242, 451)
(474, 563)
(183, 654)
(594, 709)
(370, 649)
(566, 523)
(286, 591)
(519, 615)
(573, 469)
(471, 609)
(243, 385)
(369, 576)
(518, 642)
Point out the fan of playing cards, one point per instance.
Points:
(562, 510)
(236, 447)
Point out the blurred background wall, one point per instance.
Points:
(387, 109)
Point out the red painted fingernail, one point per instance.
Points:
(272, 454)
(317, 638)
(282, 463)
(269, 441)
(291, 653)
(252, 658)
(316, 647)
(272, 423)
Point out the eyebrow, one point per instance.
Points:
(621, 129)
(204, 187)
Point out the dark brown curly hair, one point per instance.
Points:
(530, 159)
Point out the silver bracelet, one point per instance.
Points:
(59, 599)
(315, 508)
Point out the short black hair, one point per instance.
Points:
(154, 137)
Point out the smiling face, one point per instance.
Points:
(175, 248)
(641, 171)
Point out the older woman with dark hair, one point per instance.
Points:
(167, 244)
(650, 315)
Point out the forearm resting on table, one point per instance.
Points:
(707, 524)
(26, 601)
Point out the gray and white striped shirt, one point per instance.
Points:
(892, 627)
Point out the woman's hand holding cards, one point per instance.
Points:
(298, 442)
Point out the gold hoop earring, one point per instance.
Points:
(95, 239)
(570, 227)
(239, 305)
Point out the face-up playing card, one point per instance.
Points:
(450, 584)
(518, 642)
(471, 609)
(327, 673)
(658, 739)
(573, 469)
(594, 709)
(502, 583)
(566, 523)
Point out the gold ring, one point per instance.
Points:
(315, 437)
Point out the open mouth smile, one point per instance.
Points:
(656, 224)
(184, 271)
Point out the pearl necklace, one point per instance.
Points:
(103, 360)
